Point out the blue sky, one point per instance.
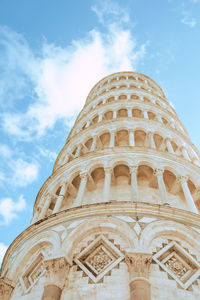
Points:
(53, 52)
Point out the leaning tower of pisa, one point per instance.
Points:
(118, 217)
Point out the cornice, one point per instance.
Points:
(115, 208)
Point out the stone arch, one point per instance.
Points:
(167, 228)
(122, 138)
(98, 225)
(47, 239)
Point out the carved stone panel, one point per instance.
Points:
(178, 263)
(98, 258)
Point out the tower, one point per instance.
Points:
(118, 217)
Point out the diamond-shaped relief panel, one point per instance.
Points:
(99, 258)
(178, 263)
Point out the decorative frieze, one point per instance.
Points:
(6, 289)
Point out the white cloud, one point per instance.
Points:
(49, 154)
(3, 249)
(24, 172)
(61, 78)
(189, 21)
(106, 9)
(5, 151)
(9, 209)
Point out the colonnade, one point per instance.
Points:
(181, 182)
(133, 138)
(138, 263)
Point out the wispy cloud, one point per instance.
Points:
(16, 171)
(3, 249)
(54, 85)
(9, 209)
(189, 21)
(109, 10)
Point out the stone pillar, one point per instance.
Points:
(129, 113)
(131, 138)
(134, 185)
(100, 117)
(151, 140)
(114, 114)
(36, 215)
(169, 146)
(163, 193)
(107, 182)
(185, 154)
(81, 190)
(112, 139)
(45, 207)
(188, 197)
(78, 151)
(57, 272)
(159, 118)
(145, 114)
(60, 198)
(138, 266)
(6, 289)
(94, 142)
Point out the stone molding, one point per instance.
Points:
(57, 269)
(138, 264)
(6, 289)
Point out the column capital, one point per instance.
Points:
(83, 174)
(158, 172)
(6, 289)
(133, 169)
(182, 178)
(57, 269)
(108, 170)
(138, 263)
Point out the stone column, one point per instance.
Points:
(169, 146)
(94, 142)
(114, 114)
(112, 139)
(107, 182)
(57, 272)
(100, 117)
(129, 113)
(131, 138)
(81, 190)
(138, 266)
(36, 215)
(134, 185)
(188, 197)
(145, 114)
(60, 198)
(159, 118)
(6, 289)
(78, 151)
(163, 193)
(46, 205)
(185, 154)
(151, 140)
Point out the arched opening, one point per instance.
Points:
(151, 115)
(122, 78)
(147, 185)
(137, 113)
(111, 99)
(122, 113)
(131, 78)
(95, 119)
(122, 138)
(146, 100)
(134, 97)
(122, 97)
(164, 121)
(88, 144)
(121, 190)
(105, 139)
(108, 115)
(158, 140)
(140, 138)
